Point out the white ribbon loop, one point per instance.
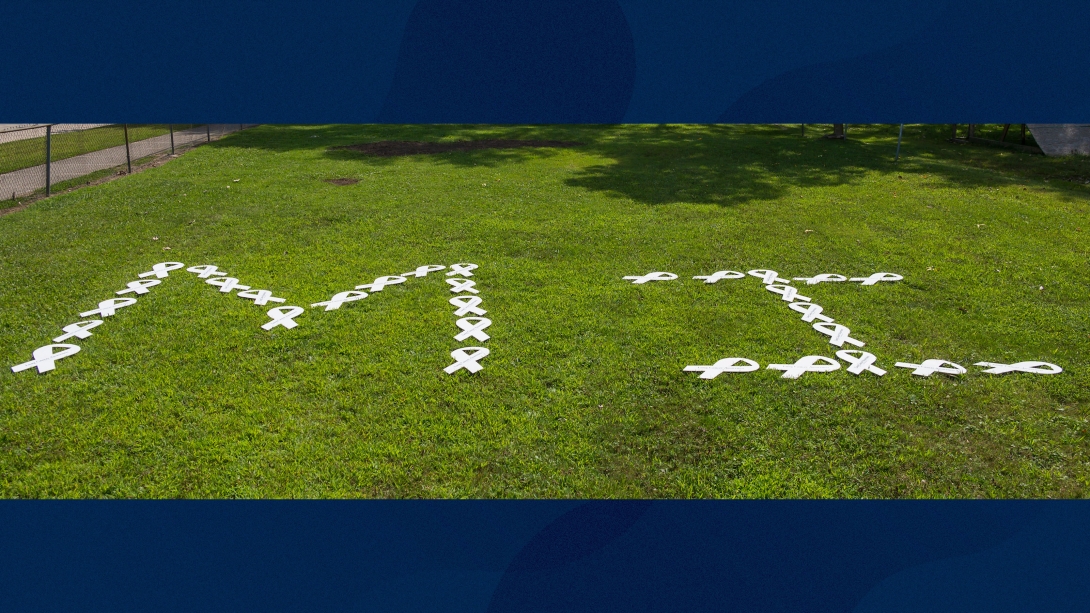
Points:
(107, 308)
(1037, 368)
(461, 270)
(381, 282)
(767, 276)
(720, 275)
(207, 270)
(283, 316)
(162, 269)
(722, 366)
(876, 277)
(339, 299)
(260, 297)
(930, 367)
(651, 276)
(467, 358)
(226, 284)
(810, 363)
(860, 361)
(78, 330)
(810, 312)
(788, 292)
(823, 278)
(838, 334)
(462, 285)
(467, 305)
(45, 359)
(422, 271)
(140, 287)
(473, 327)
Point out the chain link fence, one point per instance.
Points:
(46, 157)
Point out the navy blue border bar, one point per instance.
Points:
(545, 61)
(528, 556)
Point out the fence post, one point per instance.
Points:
(208, 131)
(48, 155)
(128, 157)
(803, 126)
(899, 135)
(171, 126)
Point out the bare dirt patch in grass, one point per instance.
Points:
(392, 148)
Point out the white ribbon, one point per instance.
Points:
(788, 292)
(283, 316)
(651, 276)
(464, 359)
(260, 297)
(810, 312)
(838, 334)
(860, 361)
(140, 287)
(468, 305)
(45, 359)
(1037, 368)
(107, 308)
(810, 363)
(473, 327)
(78, 330)
(422, 271)
(876, 277)
(206, 271)
(381, 282)
(720, 275)
(768, 276)
(724, 365)
(930, 367)
(463, 270)
(162, 269)
(226, 284)
(462, 285)
(339, 299)
(823, 278)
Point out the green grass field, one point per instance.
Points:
(184, 395)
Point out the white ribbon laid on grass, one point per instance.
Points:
(107, 308)
(78, 330)
(468, 358)
(651, 276)
(473, 327)
(45, 359)
(338, 300)
(422, 271)
(810, 312)
(260, 297)
(467, 305)
(930, 367)
(787, 292)
(381, 282)
(1037, 368)
(227, 284)
(139, 287)
(823, 278)
(462, 285)
(860, 361)
(207, 270)
(462, 270)
(720, 275)
(283, 316)
(838, 334)
(810, 363)
(767, 276)
(162, 269)
(724, 365)
(876, 277)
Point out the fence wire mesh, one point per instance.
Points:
(41, 158)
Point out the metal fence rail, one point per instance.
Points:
(40, 158)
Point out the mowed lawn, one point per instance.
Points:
(184, 395)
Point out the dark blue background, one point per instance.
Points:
(545, 61)
(527, 556)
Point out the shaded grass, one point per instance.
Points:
(184, 395)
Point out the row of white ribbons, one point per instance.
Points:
(861, 361)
